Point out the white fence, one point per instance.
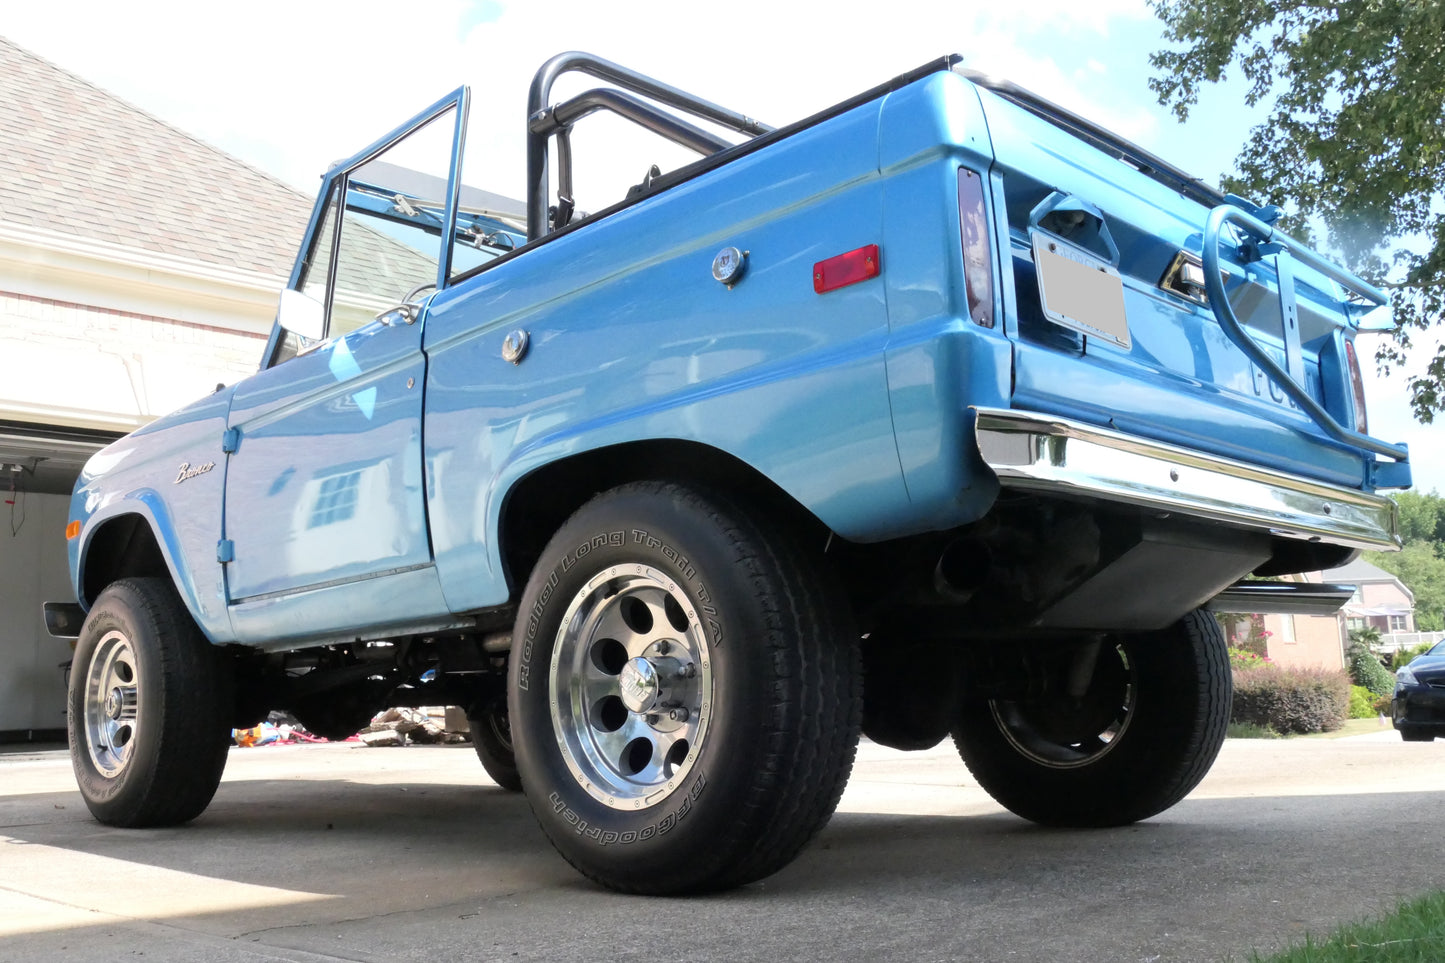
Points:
(1408, 640)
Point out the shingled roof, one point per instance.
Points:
(78, 160)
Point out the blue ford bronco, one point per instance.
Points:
(941, 413)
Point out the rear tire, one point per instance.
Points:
(492, 739)
(1416, 734)
(1141, 737)
(149, 708)
(685, 693)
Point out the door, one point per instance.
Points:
(325, 511)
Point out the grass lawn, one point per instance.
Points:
(1352, 727)
(1414, 933)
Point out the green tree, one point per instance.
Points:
(1355, 136)
(1422, 518)
(1421, 565)
(1422, 570)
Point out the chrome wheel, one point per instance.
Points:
(111, 706)
(1063, 732)
(631, 686)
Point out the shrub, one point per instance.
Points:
(1362, 703)
(1367, 671)
(1291, 700)
(1245, 659)
(1403, 657)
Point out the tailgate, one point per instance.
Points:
(1147, 304)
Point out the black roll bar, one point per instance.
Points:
(566, 114)
(543, 121)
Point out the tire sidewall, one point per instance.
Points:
(1167, 732)
(493, 751)
(635, 526)
(115, 610)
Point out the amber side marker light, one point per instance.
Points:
(845, 269)
(72, 530)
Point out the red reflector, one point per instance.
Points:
(845, 269)
(1357, 386)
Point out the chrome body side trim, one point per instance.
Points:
(1284, 598)
(1038, 452)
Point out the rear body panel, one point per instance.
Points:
(1181, 380)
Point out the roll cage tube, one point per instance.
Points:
(543, 121)
(1284, 247)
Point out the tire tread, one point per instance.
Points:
(814, 714)
(192, 728)
(1167, 756)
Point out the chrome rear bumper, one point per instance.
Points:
(1037, 452)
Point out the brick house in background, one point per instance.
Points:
(139, 267)
(1381, 601)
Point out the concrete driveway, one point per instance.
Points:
(339, 852)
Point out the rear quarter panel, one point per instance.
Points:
(632, 338)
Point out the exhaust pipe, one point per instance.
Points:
(962, 568)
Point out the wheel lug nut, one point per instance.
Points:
(653, 718)
(664, 647)
(687, 672)
(678, 715)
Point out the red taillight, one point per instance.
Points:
(1357, 385)
(973, 224)
(845, 269)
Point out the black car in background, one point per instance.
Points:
(1419, 704)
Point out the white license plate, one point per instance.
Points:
(1080, 291)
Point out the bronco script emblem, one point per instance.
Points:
(188, 472)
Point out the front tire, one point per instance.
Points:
(685, 693)
(1140, 736)
(149, 708)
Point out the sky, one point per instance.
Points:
(290, 87)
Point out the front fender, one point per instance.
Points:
(201, 592)
(170, 476)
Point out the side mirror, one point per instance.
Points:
(302, 315)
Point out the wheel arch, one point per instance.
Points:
(122, 546)
(542, 500)
(136, 540)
